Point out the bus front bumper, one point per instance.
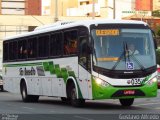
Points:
(111, 92)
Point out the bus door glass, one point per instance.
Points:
(83, 68)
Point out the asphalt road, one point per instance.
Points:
(11, 106)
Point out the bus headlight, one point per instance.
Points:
(101, 82)
(151, 81)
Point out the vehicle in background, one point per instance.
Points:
(158, 76)
(1, 83)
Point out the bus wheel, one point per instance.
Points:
(25, 96)
(126, 102)
(73, 96)
(2, 88)
(64, 99)
(34, 98)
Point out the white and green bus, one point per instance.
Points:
(82, 60)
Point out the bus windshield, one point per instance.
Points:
(123, 48)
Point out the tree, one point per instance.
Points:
(156, 13)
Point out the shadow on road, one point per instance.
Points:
(91, 105)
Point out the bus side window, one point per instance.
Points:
(5, 51)
(12, 50)
(83, 51)
(43, 43)
(22, 49)
(32, 47)
(56, 44)
(70, 42)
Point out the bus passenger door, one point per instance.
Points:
(83, 66)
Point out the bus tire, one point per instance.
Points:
(73, 97)
(64, 99)
(126, 102)
(2, 88)
(34, 98)
(25, 96)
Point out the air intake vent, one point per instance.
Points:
(53, 25)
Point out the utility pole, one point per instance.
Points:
(114, 9)
(93, 9)
(56, 11)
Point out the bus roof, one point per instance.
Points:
(66, 24)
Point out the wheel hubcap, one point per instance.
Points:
(74, 94)
(23, 93)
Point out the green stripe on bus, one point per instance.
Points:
(61, 73)
(23, 64)
(53, 69)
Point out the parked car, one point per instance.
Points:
(1, 83)
(158, 76)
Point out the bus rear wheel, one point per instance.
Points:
(1, 87)
(25, 96)
(126, 102)
(73, 98)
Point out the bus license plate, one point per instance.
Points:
(129, 92)
(136, 81)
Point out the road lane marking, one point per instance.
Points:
(27, 108)
(146, 104)
(52, 111)
(85, 118)
(11, 105)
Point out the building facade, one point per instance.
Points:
(156, 5)
(144, 5)
(84, 8)
(20, 7)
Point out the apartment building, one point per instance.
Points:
(145, 5)
(20, 7)
(84, 8)
(156, 5)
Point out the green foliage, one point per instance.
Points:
(158, 32)
(158, 56)
(156, 13)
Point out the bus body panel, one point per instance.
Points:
(41, 80)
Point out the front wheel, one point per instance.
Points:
(126, 102)
(74, 101)
(64, 99)
(25, 96)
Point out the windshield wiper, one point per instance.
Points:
(138, 62)
(123, 55)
